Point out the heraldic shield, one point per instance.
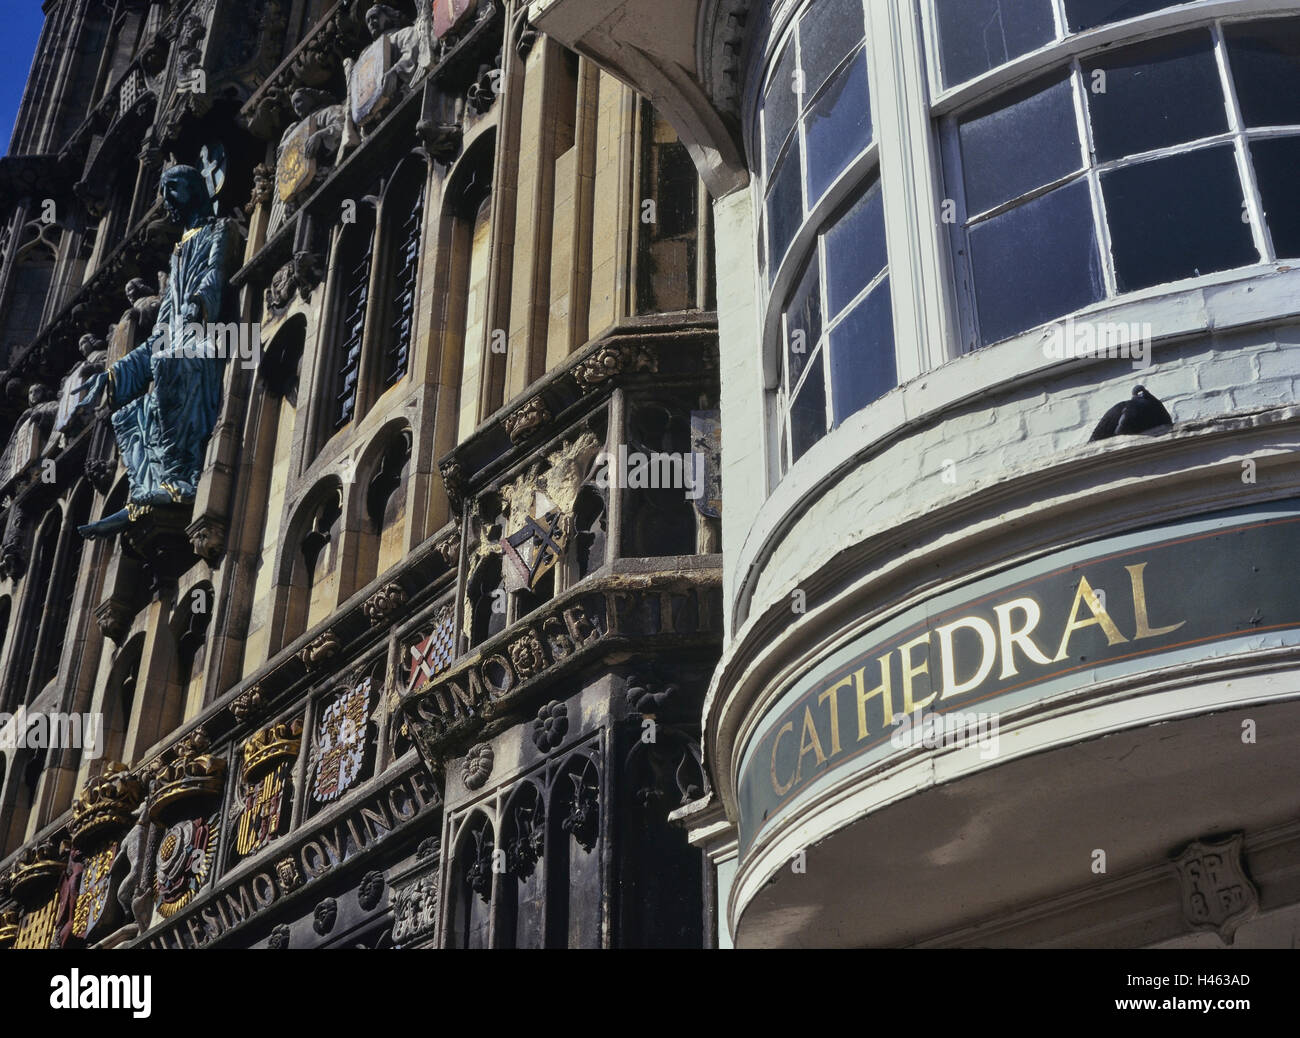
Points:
(296, 169)
(368, 84)
(532, 550)
(1217, 894)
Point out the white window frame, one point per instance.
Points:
(1091, 171)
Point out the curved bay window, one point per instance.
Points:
(830, 309)
(1142, 165)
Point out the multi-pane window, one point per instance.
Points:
(975, 36)
(1143, 165)
(832, 310)
(397, 352)
(356, 250)
(838, 327)
(816, 117)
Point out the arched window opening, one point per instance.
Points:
(63, 586)
(354, 254)
(404, 204)
(521, 890)
(191, 631)
(573, 917)
(282, 360)
(471, 885)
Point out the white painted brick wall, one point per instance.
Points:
(989, 438)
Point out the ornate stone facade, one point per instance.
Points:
(384, 626)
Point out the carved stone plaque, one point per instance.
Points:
(1217, 894)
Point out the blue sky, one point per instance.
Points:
(22, 28)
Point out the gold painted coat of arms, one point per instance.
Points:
(295, 169)
(183, 863)
(339, 745)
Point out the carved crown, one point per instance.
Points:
(270, 746)
(35, 874)
(8, 927)
(108, 801)
(190, 772)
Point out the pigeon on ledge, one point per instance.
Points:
(1140, 413)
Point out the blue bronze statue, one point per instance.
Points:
(166, 393)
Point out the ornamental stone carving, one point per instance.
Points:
(477, 766)
(384, 604)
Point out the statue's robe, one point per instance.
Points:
(166, 393)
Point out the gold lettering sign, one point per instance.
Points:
(1040, 630)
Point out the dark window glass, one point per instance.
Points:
(1276, 162)
(838, 126)
(402, 315)
(1156, 94)
(1265, 60)
(357, 248)
(803, 320)
(855, 249)
(1177, 217)
(808, 410)
(784, 209)
(1085, 14)
(1028, 140)
(1036, 263)
(977, 35)
(862, 354)
(780, 107)
(829, 30)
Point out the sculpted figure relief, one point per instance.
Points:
(391, 64)
(321, 133)
(165, 394)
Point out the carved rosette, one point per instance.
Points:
(320, 652)
(551, 726)
(371, 890)
(527, 656)
(527, 420)
(477, 766)
(609, 362)
(279, 939)
(384, 604)
(325, 916)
